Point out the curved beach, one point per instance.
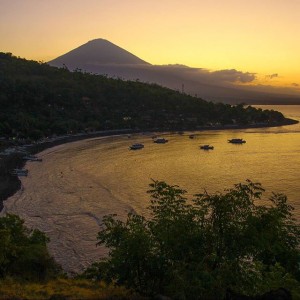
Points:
(58, 199)
(67, 194)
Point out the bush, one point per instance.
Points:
(198, 248)
(23, 252)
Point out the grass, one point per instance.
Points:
(60, 289)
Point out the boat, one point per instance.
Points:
(32, 158)
(207, 147)
(136, 146)
(20, 172)
(160, 141)
(236, 141)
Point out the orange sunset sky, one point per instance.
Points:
(256, 36)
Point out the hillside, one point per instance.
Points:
(100, 56)
(41, 100)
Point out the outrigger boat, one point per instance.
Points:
(136, 146)
(20, 172)
(160, 141)
(32, 158)
(207, 147)
(236, 141)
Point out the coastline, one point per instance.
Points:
(78, 183)
(10, 184)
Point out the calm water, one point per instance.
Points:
(270, 156)
(68, 193)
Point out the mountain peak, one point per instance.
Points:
(99, 40)
(97, 52)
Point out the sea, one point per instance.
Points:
(270, 156)
(69, 192)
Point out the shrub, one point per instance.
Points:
(197, 248)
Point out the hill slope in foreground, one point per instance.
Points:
(41, 100)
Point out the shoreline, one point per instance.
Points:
(78, 183)
(10, 184)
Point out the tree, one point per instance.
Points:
(23, 252)
(41, 100)
(197, 248)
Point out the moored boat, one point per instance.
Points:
(236, 141)
(136, 146)
(20, 172)
(160, 141)
(32, 158)
(207, 147)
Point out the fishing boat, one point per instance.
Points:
(207, 147)
(236, 141)
(32, 158)
(160, 141)
(20, 172)
(136, 146)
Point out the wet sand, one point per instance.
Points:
(58, 199)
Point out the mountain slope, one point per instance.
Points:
(97, 52)
(103, 57)
(41, 100)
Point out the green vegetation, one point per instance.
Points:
(64, 289)
(189, 249)
(38, 100)
(23, 252)
(198, 248)
(27, 271)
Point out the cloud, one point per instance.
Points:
(271, 76)
(233, 75)
(227, 76)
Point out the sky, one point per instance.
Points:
(256, 36)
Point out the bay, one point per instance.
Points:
(67, 195)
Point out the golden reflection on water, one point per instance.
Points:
(272, 159)
(67, 194)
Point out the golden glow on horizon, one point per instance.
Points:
(251, 36)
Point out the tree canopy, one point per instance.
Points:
(38, 100)
(198, 248)
(23, 252)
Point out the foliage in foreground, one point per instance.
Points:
(63, 289)
(196, 249)
(23, 252)
(27, 271)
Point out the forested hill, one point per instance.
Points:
(38, 100)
